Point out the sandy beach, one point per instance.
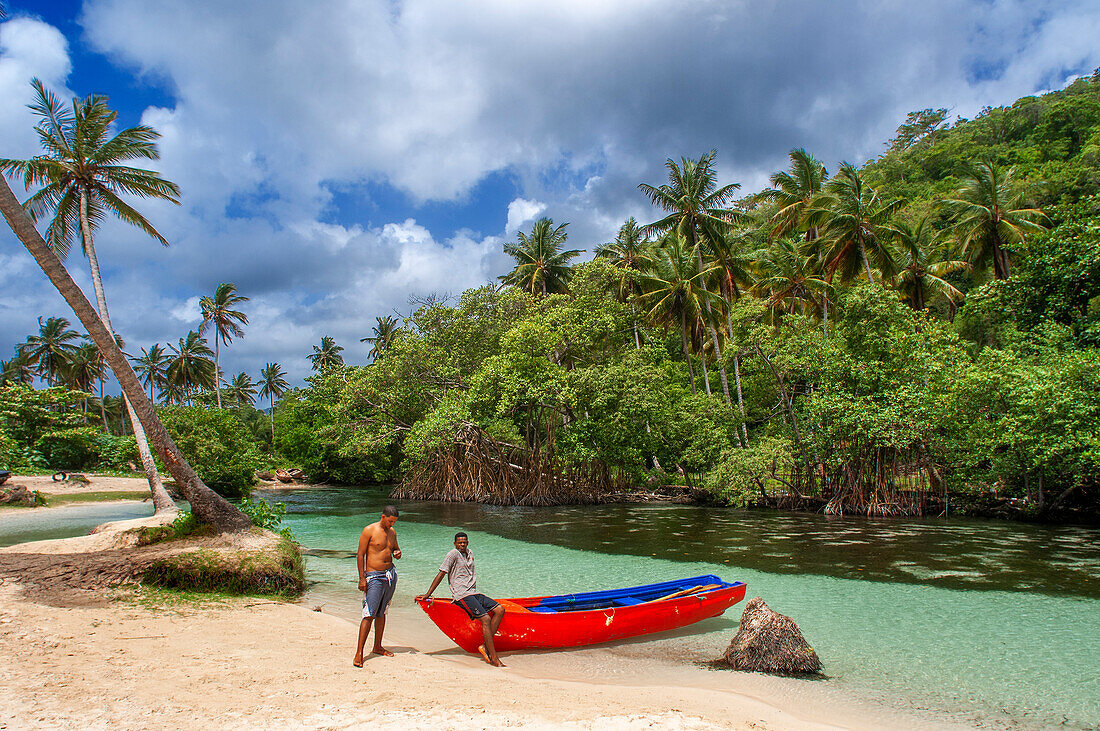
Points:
(115, 663)
(125, 658)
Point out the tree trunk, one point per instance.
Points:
(207, 505)
(1000, 260)
(102, 408)
(687, 353)
(217, 364)
(866, 263)
(740, 400)
(706, 375)
(713, 336)
(272, 415)
(162, 502)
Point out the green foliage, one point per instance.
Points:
(268, 516)
(216, 444)
(741, 476)
(185, 524)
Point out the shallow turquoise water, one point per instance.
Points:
(996, 624)
(1002, 654)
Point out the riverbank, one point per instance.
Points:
(127, 660)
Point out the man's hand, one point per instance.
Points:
(362, 584)
(397, 553)
(421, 597)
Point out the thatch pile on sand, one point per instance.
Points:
(769, 642)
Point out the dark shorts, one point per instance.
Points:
(477, 605)
(380, 588)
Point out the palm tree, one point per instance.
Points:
(384, 331)
(192, 366)
(855, 226)
(227, 324)
(16, 371)
(51, 349)
(542, 267)
(272, 385)
(151, 368)
(699, 211)
(988, 217)
(326, 355)
(673, 291)
(210, 507)
(82, 174)
(920, 271)
(630, 254)
(241, 390)
(85, 368)
(792, 192)
(787, 280)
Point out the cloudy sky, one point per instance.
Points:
(338, 158)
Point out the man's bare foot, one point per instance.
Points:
(494, 661)
(381, 651)
(358, 661)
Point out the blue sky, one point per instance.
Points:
(337, 160)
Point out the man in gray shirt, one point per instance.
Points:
(458, 567)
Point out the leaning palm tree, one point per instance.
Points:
(326, 355)
(855, 226)
(699, 211)
(792, 192)
(51, 349)
(989, 218)
(82, 174)
(272, 385)
(384, 330)
(151, 368)
(673, 291)
(921, 271)
(241, 390)
(218, 310)
(207, 505)
(542, 266)
(192, 365)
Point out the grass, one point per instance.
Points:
(185, 524)
(273, 573)
(93, 497)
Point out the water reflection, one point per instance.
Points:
(955, 553)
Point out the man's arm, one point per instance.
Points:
(360, 558)
(435, 583)
(396, 548)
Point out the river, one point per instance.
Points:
(993, 624)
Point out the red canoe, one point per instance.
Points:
(573, 620)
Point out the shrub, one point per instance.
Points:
(70, 449)
(268, 516)
(217, 445)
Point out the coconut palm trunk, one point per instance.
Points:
(866, 263)
(206, 504)
(709, 325)
(687, 353)
(162, 502)
(217, 364)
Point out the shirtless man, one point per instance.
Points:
(377, 579)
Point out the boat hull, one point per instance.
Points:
(525, 629)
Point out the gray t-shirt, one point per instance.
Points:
(460, 573)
